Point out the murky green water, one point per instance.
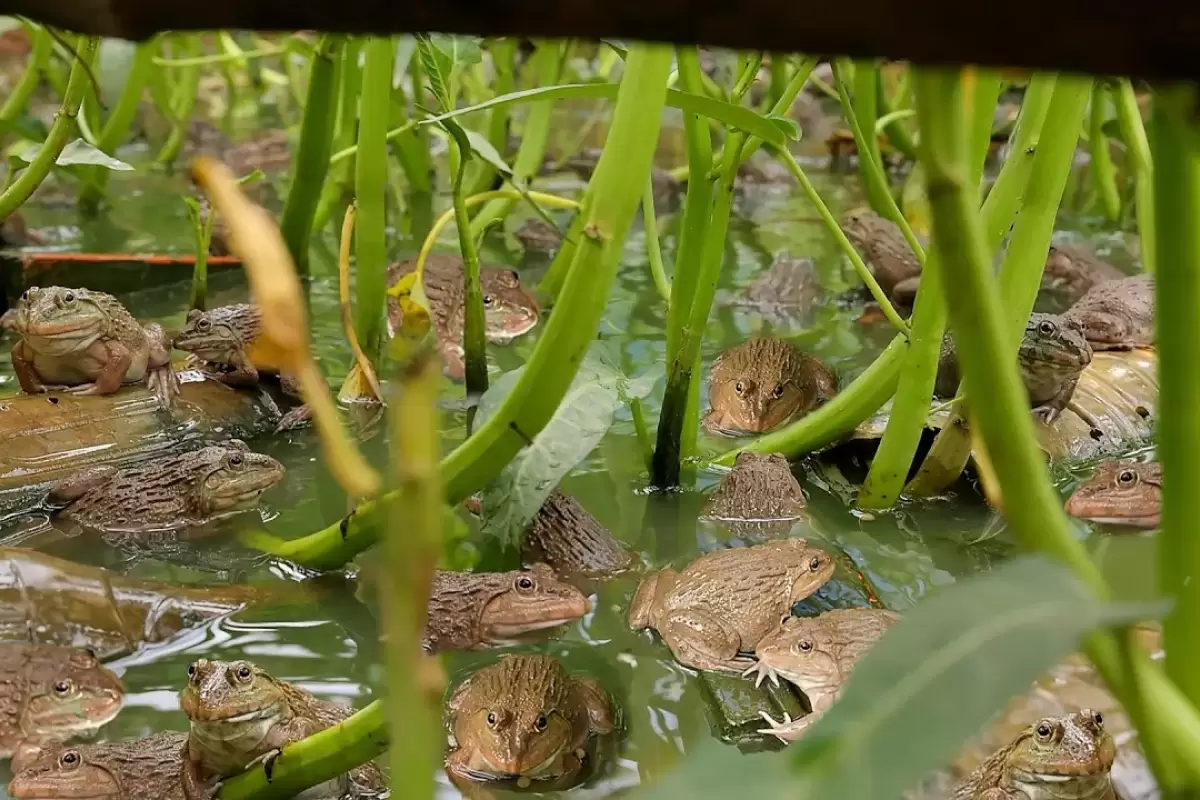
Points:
(330, 646)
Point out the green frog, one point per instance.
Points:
(1056, 758)
(147, 768)
(525, 717)
(470, 609)
(50, 694)
(1073, 269)
(817, 654)
(887, 254)
(183, 490)
(220, 341)
(510, 310)
(1120, 492)
(1052, 356)
(85, 342)
(572, 541)
(763, 383)
(241, 715)
(717, 609)
(759, 497)
(1117, 315)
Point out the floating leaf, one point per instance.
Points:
(956, 658)
(582, 419)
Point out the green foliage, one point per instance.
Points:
(76, 153)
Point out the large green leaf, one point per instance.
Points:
(930, 684)
(76, 153)
(582, 419)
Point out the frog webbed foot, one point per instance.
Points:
(298, 417)
(786, 729)
(82, 389)
(1047, 414)
(702, 641)
(164, 383)
(267, 760)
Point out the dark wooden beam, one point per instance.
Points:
(1154, 39)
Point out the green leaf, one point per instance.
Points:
(75, 154)
(789, 126)
(459, 51)
(436, 67)
(582, 419)
(483, 148)
(931, 683)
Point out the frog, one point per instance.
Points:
(471, 609)
(538, 236)
(1068, 756)
(510, 310)
(887, 254)
(666, 188)
(241, 715)
(133, 769)
(52, 694)
(15, 232)
(1053, 354)
(1072, 270)
(525, 717)
(188, 489)
(1118, 314)
(785, 292)
(572, 542)
(762, 383)
(715, 611)
(85, 342)
(758, 497)
(1120, 492)
(220, 341)
(817, 655)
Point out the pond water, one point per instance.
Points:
(330, 646)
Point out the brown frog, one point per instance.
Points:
(817, 654)
(572, 541)
(525, 717)
(138, 769)
(721, 605)
(536, 236)
(760, 496)
(785, 292)
(183, 490)
(1072, 270)
(762, 383)
(15, 232)
(887, 254)
(1117, 315)
(51, 694)
(1052, 356)
(1055, 758)
(510, 310)
(1120, 492)
(469, 609)
(85, 342)
(220, 342)
(241, 715)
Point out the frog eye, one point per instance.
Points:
(1044, 731)
(192, 671)
(68, 298)
(235, 460)
(738, 387)
(805, 646)
(1127, 477)
(62, 688)
(69, 759)
(1098, 718)
(491, 719)
(488, 300)
(778, 390)
(524, 583)
(204, 324)
(814, 563)
(1047, 328)
(243, 672)
(540, 723)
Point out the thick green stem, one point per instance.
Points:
(60, 131)
(894, 125)
(503, 51)
(1177, 306)
(474, 340)
(866, 94)
(608, 209)
(39, 56)
(339, 182)
(370, 190)
(312, 155)
(412, 150)
(181, 102)
(1103, 174)
(1134, 133)
(653, 251)
(983, 115)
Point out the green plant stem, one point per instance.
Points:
(1032, 506)
(1103, 174)
(1134, 133)
(474, 339)
(312, 154)
(608, 209)
(535, 133)
(217, 58)
(412, 150)
(60, 131)
(1177, 204)
(653, 251)
(891, 122)
(199, 295)
(182, 102)
(339, 181)
(39, 56)
(983, 116)
(503, 52)
(316, 759)
(370, 188)
(866, 94)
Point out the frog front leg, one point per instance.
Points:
(1052, 409)
(117, 359)
(160, 377)
(197, 783)
(281, 736)
(702, 641)
(27, 375)
(788, 729)
(243, 374)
